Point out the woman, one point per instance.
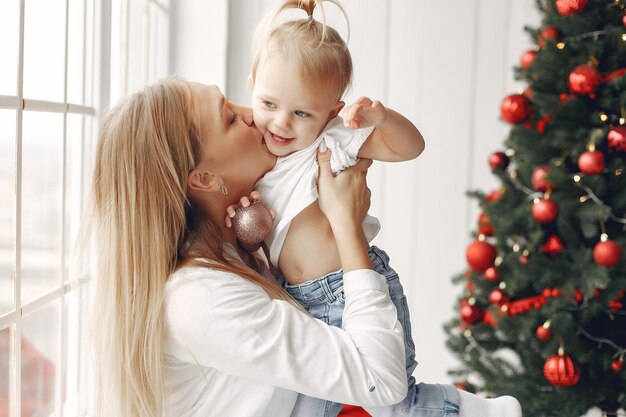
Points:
(184, 323)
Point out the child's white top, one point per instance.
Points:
(291, 186)
(230, 350)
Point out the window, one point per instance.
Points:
(62, 62)
(139, 44)
(47, 121)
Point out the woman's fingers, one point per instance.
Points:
(363, 165)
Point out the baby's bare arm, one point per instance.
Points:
(394, 138)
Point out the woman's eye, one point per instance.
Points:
(301, 113)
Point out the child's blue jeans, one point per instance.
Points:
(323, 298)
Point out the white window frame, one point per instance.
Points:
(13, 319)
(96, 78)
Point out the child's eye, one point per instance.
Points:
(234, 118)
(269, 104)
(301, 113)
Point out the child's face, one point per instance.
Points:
(290, 112)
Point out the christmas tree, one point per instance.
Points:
(542, 316)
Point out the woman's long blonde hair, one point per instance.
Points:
(145, 227)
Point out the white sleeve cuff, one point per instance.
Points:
(364, 279)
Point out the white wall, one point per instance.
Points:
(199, 40)
(446, 66)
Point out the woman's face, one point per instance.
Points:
(233, 147)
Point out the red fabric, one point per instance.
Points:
(353, 411)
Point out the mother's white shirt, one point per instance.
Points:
(230, 350)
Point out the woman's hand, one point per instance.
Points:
(344, 200)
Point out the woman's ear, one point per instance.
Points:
(203, 181)
(335, 111)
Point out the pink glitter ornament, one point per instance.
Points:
(252, 224)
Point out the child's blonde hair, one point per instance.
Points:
(317, 49)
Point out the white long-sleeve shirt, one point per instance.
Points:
(232, 351)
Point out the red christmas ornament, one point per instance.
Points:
(543, 332)
(527, 58)
(584, 79)
(528, 93)
(252, 224)
(563, 97)
(494, 195)
(617, 364)
(491, 274)
(484, 225)
(498, 160)
(515, 108)
(497, 297)
(561, 370)
(489, 319)
(607, 253)
(591, 162)
(538, 178)
(617, 138)
(549, 32)
(542, 123)
(545, 210)
(480, 255)
(552, 246)
(569, 7)
(470, 314)
(578, 295)
(624, 20)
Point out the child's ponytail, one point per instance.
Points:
(309, 7)
(317, 48)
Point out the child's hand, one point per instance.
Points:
(243, 202)
(363, 113)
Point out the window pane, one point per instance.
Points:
(75, 50)
(7, 208)
(9, 33)
(75, 309)
(41, 203)
(5, 361)
(40, 346)
(90, 24)
(44, 49)
(117, 47)
(159, 43)
(137, 45)
(73, 187)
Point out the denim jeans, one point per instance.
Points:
(323, 298)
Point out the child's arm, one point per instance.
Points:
(394, 138)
